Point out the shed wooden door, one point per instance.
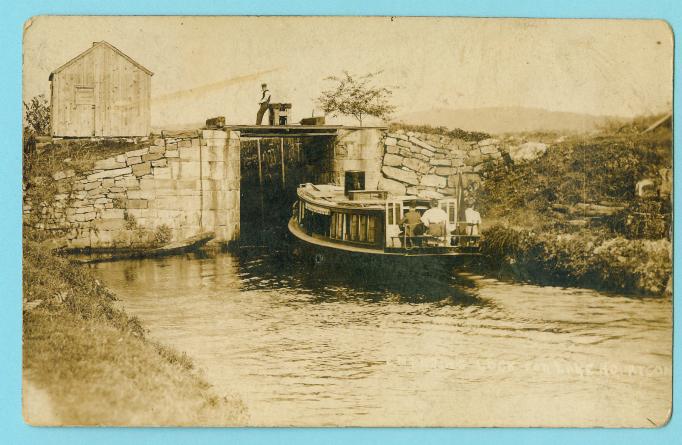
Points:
(85, 111)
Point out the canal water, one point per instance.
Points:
(314, 346)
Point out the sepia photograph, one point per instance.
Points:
(317, 221)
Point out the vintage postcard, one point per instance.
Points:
(347, 221)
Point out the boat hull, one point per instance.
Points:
(324, 254)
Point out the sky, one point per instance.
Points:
(211, 66)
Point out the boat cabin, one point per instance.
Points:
(373, 220)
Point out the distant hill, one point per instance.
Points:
(506, 120)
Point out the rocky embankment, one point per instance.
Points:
(577, 216)
(428, 165)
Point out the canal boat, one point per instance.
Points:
(355, 223)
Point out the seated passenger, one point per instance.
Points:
(435, 219)
(412, 223)
(472, 218)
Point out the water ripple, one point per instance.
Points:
(304, 346)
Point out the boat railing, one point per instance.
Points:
(421, 241)
(452, 239)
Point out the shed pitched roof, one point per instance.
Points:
(92, 48)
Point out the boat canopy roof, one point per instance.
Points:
(333, 195)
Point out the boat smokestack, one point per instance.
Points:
(354, 180)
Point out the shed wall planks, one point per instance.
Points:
(121, 93)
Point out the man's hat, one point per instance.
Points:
(263, 84)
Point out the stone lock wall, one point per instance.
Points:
(358, 149)
(427, 165)
(180, 186)
(413, 163)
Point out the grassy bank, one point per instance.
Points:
(456, 133)
(79, 154)
(94, 361)
(572, 217)
(586, 258)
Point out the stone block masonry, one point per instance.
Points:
(358, 149)
(415, 163)
(188, 184)
(428, 164)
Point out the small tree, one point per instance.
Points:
(357, 97)
(37, 115)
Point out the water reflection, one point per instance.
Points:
(327, 282)
(308, 345)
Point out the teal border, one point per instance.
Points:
(12, 428)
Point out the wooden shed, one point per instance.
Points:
(100, 92)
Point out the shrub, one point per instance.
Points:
(643, 219)
(585, 258)
(37, 115)
(642, 265)
(131, 222)
(163, 235)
